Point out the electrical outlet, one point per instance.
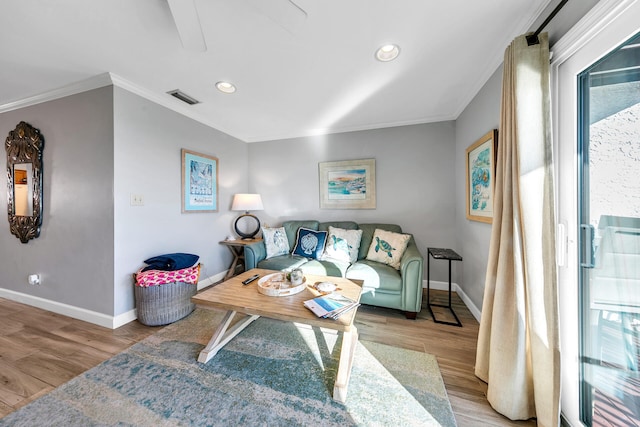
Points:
(34, 279)
(137, 200)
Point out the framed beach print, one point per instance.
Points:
(199, 182)
(481, 159)
(349, 184)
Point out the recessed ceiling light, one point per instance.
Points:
(388, 52)
(225, 87)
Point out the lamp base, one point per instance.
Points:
(250, 235)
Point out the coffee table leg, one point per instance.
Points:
(223, 335)
(349, 343)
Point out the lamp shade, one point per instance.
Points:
(247, 202)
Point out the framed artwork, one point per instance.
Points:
(199, 182)
(481, 167)
(349, 184)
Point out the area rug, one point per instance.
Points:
(274, 373)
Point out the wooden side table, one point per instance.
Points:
(450, 255)
(237, 250)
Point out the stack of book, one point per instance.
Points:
(331, 306)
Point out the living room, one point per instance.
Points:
(118, 142)
(106, 139)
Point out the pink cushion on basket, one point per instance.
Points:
(162, 277)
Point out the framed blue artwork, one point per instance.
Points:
(349, 184)
(481, 168)
(199, 182)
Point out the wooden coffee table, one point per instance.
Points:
(235, 297)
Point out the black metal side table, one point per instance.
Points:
(451, 255)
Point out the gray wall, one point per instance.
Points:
(148, 140)
(481, 115)
(101, 146)
(414, 180)
(73, 254)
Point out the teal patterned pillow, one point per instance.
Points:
(343, 245)
(388, 247)
(310, 243)
(275, 241)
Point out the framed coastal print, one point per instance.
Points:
(348, 184)
(199, 182)
(481, 158)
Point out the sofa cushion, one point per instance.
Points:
(376, 276)
(342, 245)
(309, 243)
(347, 225)
(388, 247)
(275, 241)
(291, 228)
(331, 268)
(367, 235)
(282, 262)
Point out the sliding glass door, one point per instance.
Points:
(609, 237)
(596, 101)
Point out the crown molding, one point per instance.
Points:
(307, 133)
(91, 83)
(170, 103)
(601, 15)
(111, 79)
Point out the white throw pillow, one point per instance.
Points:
(275, 241)
(388, 247)
(343, 245)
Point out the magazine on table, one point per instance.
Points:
(331, 306)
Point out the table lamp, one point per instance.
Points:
(246, 203)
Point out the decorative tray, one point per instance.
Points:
(277, 285)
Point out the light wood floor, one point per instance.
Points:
(40, 350)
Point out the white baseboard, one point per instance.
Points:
(205, 283)
(114, 322)
(444, 286)
(83, 314)
(100, 319)
(124, 318)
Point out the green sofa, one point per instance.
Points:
(383, 285)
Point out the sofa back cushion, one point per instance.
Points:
(291, 228)
(346, 225)
(367, 235)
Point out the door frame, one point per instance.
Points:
(609, 24)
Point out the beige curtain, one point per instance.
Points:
(518, 351)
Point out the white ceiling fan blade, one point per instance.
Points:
(285, 13)
(187, 22)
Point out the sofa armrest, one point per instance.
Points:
(411, 270)
(253, 254)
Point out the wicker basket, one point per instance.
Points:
(164, 304)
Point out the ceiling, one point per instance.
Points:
(301, 67)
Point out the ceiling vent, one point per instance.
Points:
(183, 97)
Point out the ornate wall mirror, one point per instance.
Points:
(24, 147)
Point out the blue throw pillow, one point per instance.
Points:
(310, 243)
(170, 262)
